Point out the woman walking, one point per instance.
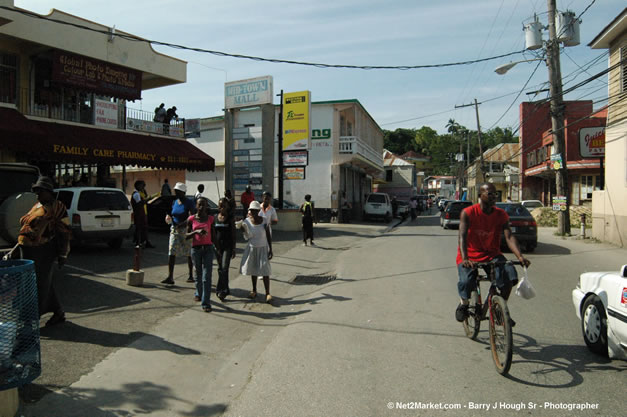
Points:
(182, 207)
(45, 236)
(200, 229)
(258, 251)
(225, 246)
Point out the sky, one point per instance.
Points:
(362, 33)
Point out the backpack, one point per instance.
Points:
(307, 210)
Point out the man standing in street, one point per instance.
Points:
(308, 211)
(247, 197)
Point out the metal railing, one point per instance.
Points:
(355, 146)
(148, 116)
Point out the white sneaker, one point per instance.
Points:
(312, 244)
(304, 243)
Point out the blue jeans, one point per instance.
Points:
(505, 275)
(203, 261)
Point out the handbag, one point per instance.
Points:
(525, 289)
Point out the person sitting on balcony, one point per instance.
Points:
(160, 113)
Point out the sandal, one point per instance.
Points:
(252, 295)
(268, 298)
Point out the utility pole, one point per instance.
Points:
(557, 119)
(280, 179)
(480, 177)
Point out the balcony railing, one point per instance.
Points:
(355, 146)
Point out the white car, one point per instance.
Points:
(531, 204)
(378, 205)
(97, 214)
(600, 302)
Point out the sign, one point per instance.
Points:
(556, 161)
(294, 173)
(192, 128)
(120, 156)
(154, 127)
(592, 142)
(249, 92)
(97, 76)
(559, 203)
(295, 158)
(105, 114)
(296, 120)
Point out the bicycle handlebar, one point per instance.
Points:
(484, 264)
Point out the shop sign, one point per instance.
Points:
(592, 142)
(295, 158)
(559, 203)
(296, 120)
(249, 92)
(97, 76)
(294, 173)
(556, 161)
(105, 114)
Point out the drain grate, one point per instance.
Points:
(313, 279)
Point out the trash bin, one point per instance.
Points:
(20, 353)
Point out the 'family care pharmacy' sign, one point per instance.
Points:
(246, 93)
(592, 142)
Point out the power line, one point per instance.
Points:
(256, 58)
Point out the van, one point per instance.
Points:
(378, 205)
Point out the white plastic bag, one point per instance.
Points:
(525, 289)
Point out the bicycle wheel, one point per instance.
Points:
(500, 335)
(473, 321)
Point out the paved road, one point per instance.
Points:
(362, 320)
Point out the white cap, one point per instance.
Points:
(254, 206)
(181, 187)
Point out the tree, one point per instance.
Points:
(423, 139)
(399, 141)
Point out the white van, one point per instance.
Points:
(378, 205)
(97, 214)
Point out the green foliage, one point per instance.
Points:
(399, 141)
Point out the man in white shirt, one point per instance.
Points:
(267, 211)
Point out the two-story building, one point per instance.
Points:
(424, 168)
(64, 87)
(500, 167)
(441, 185)
(399, 178)
(609, 211)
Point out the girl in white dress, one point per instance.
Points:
(258, 251)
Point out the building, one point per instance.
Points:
(609, 211)
(63, 100)
(423, 165)
(399, 178)
(538, 157)
(441, 185)
(500, 167)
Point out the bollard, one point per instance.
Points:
(582, 218)
(135, 276)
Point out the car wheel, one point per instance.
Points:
(594, 325)
(115, 243)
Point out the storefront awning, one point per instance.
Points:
(74, 143)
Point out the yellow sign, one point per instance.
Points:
(296, 120)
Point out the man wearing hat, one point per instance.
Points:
(45, 237)
(182, 208)
(247, 197)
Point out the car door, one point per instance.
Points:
(617, 306)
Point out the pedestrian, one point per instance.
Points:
(247, 197)
(229, 198)
(44, 237)
(413, 206)
(308, 211)
(201, 230)
(394, 206)
(140, 215)
(346, 208)
(267, 211)
(160, 113)
(225, 246)
(200, 189)
(258, 251)
(178, 245)
(165, 188)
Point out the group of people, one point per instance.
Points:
(165, 116)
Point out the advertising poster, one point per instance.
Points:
(295, 158)
(296, 120)
(592, 142)
(106, 114)
(249, 92)
(294, 173)
(559, 203)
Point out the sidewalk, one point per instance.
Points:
(164, 367)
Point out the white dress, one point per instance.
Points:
(255, 258)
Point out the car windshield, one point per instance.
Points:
(533, 204)
(102, 200)
(376, 198)
(457, 207)
(516, 210)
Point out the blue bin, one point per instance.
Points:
(20, 351)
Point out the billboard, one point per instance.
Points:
(592, 142)
(247, 93)
(296, 120)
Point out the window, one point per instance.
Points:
(587, 184)
(8, 78)
(389, 175)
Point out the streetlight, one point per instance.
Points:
(502, 69)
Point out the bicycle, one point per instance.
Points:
(501, 342)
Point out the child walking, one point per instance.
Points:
(258, 251)
(200, 228)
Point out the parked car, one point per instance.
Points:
(450, 215)
(378, 205)
(523, 225)
(600, 300)
(97, 214)
(162, 205)
(16, 199)
(531, 204)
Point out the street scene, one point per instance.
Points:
(352, 208)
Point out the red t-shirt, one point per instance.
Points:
(247, 198)
(484, 233)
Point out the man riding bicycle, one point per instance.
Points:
(480, 230)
